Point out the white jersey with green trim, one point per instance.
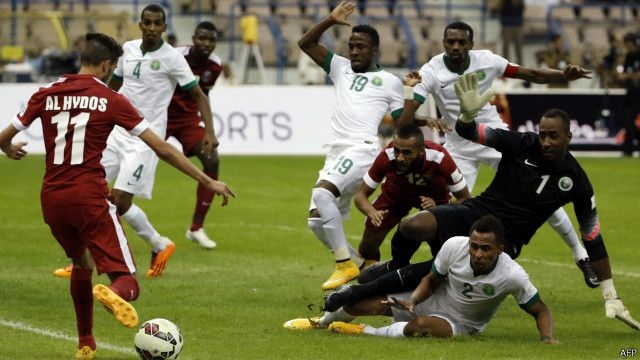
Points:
(438, 80)
(473, 299)
(150, 78)
(362, 99)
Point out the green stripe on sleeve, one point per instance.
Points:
(530, 303)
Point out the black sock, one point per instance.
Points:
(402, 249)
(404, 279)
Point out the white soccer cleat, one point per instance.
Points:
(615, 308)
(200, 237)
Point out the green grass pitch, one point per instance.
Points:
(231, 302)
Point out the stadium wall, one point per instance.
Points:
(294, 120)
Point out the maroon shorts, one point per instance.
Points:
(397, 210)
(77, 227)
(189, 131)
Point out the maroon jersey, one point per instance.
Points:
(75, 130)
(435, 177)
(182, 104)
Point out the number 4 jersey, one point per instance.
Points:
(78, 112)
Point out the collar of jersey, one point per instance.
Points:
(152, 50)
(462, 70)
(478, 273)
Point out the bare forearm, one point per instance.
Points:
(175, 158)
(542, 76)
(312, 36)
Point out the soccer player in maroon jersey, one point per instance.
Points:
(78, 112)
(417, 174)
(186, 125)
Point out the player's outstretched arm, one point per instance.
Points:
(545, 76)
(14, 151)
(170, 154)
(309, 42)
(544, 322)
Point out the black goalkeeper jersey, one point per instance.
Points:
(526, 189)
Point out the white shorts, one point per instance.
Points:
(468, 157)
(131, 163)
(344, 167)
(458, 327)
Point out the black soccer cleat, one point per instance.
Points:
(373, 272)
(590, 277)
(343, 295)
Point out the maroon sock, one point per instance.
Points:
(80, 287)
(87, 340)
(203, 202)
(125, 286)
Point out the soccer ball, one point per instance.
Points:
(158, 339)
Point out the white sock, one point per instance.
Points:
(315, 224)
(138, 220)
(355, 255)
(394, 330)
(338, 315)
(560, 222)
(608, 290)
(331, 222)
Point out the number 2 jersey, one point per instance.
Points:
(473, 298)
(78, 112)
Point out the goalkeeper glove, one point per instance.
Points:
(470, 100)
(615, 308)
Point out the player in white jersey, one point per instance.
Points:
(147, 74)
(364, 93)
(469, 279)
(437, 78)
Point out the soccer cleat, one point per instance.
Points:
(304, 324)
(373, 272)
(345, 271)
(343, 295)
(340, 327)
(123, 311)
(64, 272)
(85, 353)
(159, 259)
(590, 277)
(615, 308)
(200, 237)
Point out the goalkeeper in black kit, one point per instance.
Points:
(536, 175)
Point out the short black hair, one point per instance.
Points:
(632, 38)
(563, 115)
(369, 30)
(489, 224)
(208, 25)
(98, 48)
(459, 25)
(410, 130)
(154, 8)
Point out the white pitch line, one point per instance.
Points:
(58, 335)
(568, 266)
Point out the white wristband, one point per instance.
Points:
(408, 92)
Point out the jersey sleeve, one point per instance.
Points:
(335, 63)
(422, 90)
(448, 254)
(181, 71)
(499, 63)
(118, 73)
(30, 112)
(126, 116)
(584, 206)
(396, 98)
(524, 291)
(448, 169)
(378, 169)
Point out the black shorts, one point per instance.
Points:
(457, 219)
